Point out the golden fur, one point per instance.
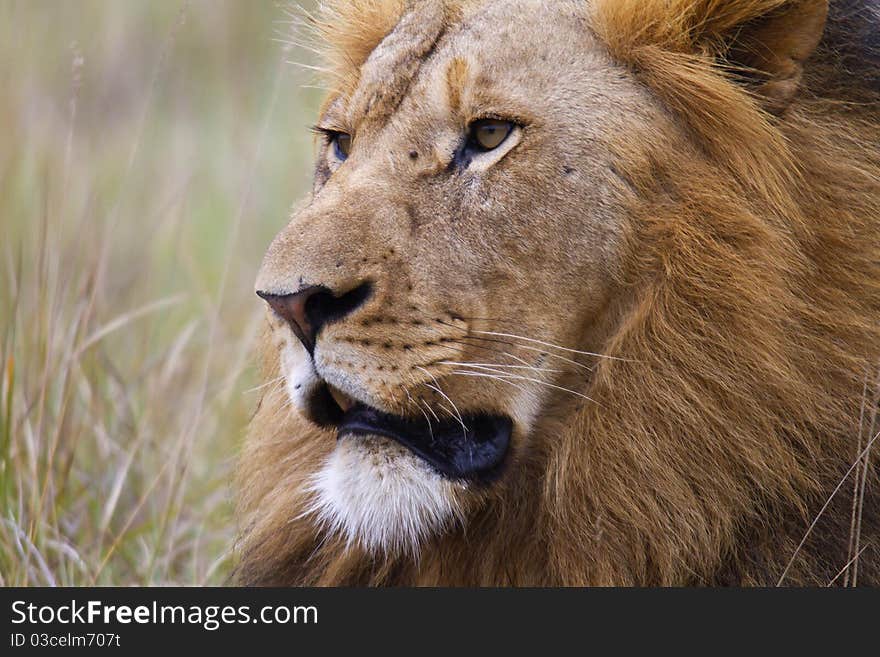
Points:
(742, 318)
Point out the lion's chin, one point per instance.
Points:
(380, 496)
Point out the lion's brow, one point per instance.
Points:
(456, 79)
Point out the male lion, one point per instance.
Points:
(586, 293)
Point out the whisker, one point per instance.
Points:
(491, 376)
(462, 341)
(490, 350)
(520, 337)
(538, 381)
(265, 385)
(491, 319)
(543, 352)
(430, 410)
(297, 44)
(310, 67)
(417, 406)
(444, 395)
(428, 420)
(438, 391)
(551, 345)
(448, 410)
(502, 365)
(408, 395)
(487, 368)
(525, 364)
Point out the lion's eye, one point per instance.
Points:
(341, 144)
(489, 134)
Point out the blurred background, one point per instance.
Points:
(149, 151)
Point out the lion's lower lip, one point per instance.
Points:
(475, 450)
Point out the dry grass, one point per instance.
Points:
(149, 151)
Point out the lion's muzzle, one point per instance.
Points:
(463, 447)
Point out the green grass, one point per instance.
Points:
(149, 152)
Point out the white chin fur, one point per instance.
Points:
(377, 494)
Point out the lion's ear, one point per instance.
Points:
(765, 42)
(769, 51)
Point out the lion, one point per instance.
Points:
(586, 293)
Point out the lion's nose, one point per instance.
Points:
(310, 309)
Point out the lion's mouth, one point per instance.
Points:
(470, 447)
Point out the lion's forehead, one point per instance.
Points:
(520, 51)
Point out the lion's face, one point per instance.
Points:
(473, 219)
